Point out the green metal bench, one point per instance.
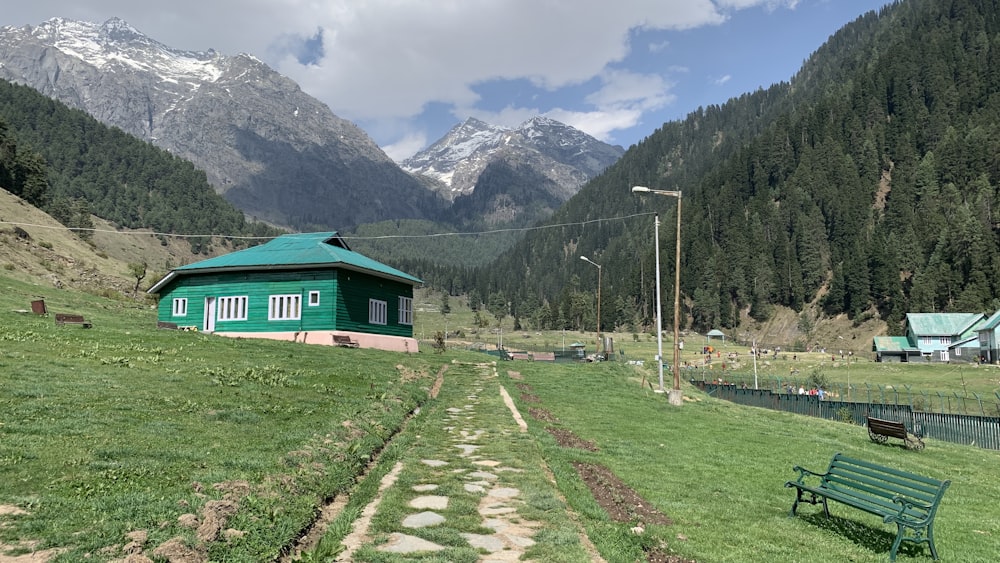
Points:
(905, 499)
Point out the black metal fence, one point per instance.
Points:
(974, 430)
(918, 400)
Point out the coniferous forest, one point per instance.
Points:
(866, 186)
(71, 166)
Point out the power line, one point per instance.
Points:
(496, 231)
(354, 237)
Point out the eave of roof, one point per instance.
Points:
(893, 344)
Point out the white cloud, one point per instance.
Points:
(722, 79)
(658, 47)
(405, 147)
(385, 61)
(599, 124)
(390, 57)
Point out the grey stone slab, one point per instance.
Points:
(426, 488)
(504, 492)
(491, 544)
(423, 520)
(431, 502)
(497, 510)
(404, 543)
(519, 541)
(433, 462)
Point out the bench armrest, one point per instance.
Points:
(803, 472)
(904, 505)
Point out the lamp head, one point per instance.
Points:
(639, 189)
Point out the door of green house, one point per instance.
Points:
(209, 323)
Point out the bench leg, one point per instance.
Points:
(895, 544)
(930, 541)
(917, 537)
(814, 500)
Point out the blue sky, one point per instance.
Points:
(407, 71)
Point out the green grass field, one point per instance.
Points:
(858, 370)
(718, 470)
(123, 427)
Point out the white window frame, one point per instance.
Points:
(405, 310)
(313, 298)
(180, 307)
(378, 312)
(284, 307)
(232, 308)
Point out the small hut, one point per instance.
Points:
(716, 333)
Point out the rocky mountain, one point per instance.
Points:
(565, 156)
(277, 153)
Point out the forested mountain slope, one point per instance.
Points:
(68, 164)
(866, 186)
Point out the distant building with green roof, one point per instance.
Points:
(306, 287)
(936, 337)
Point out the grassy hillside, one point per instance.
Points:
(52, 256)
(124, 431)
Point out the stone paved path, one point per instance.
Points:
(473, 417)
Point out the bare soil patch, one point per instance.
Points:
(438, 382)
(530, 398)
(543, 415)
(524, 388)
(623, 504)
(567, 439)
(619, 500)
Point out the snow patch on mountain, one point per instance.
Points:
(564, 154)
(116, 43)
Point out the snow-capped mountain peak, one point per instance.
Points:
(116, 44)
(235, 118)
(567, 156)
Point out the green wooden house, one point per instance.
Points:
(307, 287)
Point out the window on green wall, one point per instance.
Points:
(284, 308)
(313, 298)
(232, 308)
(377, 312)
(405, 311)
(180, 307)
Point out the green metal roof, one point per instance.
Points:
(990, 323)
(300, 250)
(942, 324)
(894, 344)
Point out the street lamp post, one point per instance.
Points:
(600, 342)
(676, 397)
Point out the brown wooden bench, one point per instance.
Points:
(69, 319)
(38, 307)
(519, 356)
(880, 431)
(344, 341)
(544, 356)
